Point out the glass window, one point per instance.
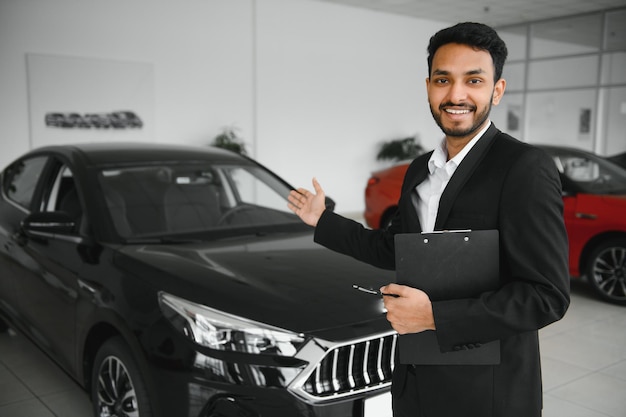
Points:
(167, 199)
(563, 72)
(514, 76)
(515, 38)
(590, 173)
(565, 118)
(615, 125)
(508, 115)
(613, 68)
(574, 35)
(615, 30)
(21, 179)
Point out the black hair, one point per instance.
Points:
(476, 35)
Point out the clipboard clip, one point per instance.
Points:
(448, 231)
(466, 238)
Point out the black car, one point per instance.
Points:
(173, 281)
(619, 159)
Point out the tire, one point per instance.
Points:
(606, 270)
(115, 367)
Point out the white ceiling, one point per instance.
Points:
(491, 12)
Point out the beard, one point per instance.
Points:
(479, 119)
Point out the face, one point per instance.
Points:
(461, 90)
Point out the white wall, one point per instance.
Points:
(312, 87)
(334, 82)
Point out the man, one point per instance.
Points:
(478, 178)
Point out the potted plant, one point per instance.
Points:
(400, 149)
(229, 139)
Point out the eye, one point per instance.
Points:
(475, 81)
(441, 81)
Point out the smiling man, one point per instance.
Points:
(478, 178)
(461, 90)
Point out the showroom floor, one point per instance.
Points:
(584, 367)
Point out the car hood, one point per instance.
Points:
(287, 281)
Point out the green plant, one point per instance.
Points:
(400, 149)
(229, 139)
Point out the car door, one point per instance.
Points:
(46, 269)
(19, 183)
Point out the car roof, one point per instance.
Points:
(115, 153)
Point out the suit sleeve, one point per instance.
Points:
(375, 247)
(534, 247)
(349, 237)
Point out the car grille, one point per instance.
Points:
(351, 369)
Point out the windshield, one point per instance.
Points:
(591, 174)
(158, 200)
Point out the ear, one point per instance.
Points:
(498, 91)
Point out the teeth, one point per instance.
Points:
(457, 111)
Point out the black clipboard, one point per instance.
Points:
(448, 265)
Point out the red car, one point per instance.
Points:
(594, 197)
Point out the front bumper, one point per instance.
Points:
(325, 379)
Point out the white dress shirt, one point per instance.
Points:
(440, 171)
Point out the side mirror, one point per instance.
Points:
(49, 224)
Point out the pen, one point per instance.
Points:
(372, 291)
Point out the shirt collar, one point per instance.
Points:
(439, 158)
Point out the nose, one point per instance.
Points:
(457, 93)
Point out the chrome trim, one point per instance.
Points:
(379, 359)
(351, 381)
(84, 286)
(53, 235)
(366, 374)
(335, 380)
(342, 381)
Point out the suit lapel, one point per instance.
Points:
(411, 222)
(462, 174)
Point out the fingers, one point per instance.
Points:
(394, 289)
(298, 197)
(307, 205)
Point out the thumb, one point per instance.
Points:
(317, 187)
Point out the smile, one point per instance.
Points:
(453, 111)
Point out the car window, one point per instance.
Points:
(173, 199)
(63, 195)
(591, 174)
(252, 189)
(21, 178)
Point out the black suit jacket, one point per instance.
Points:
(501, 184)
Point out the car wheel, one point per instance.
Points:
(117, 388)
(606, 270)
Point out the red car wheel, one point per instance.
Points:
(606, 270)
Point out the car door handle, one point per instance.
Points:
(588, 216)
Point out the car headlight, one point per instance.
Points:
(222, 331)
